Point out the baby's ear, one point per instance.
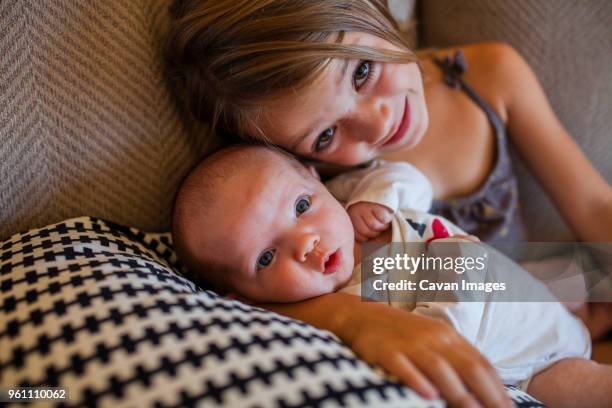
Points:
(311, 169)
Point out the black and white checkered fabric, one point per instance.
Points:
(99, 308)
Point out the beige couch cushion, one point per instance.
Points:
(87, 122)
(568, 44)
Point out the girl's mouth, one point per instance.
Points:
(403, 126)
(333, 262)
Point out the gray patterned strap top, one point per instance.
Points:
(491, 212)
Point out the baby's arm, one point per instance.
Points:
(372, 195)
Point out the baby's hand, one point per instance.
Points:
(369, 219)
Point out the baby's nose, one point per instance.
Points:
(305, 244)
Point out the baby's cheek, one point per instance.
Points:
(291, 279)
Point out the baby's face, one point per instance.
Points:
(283, 231)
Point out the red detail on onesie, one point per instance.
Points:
(438, 231)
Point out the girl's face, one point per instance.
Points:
(354, 112)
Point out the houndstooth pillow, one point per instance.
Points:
(100, 309)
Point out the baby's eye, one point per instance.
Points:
(265, 258)
(324, 139)
(361, 74)
(302, 205)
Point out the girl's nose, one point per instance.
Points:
(373, 119)
(305, 243)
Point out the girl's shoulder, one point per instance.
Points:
(487, 58)
(491, 69)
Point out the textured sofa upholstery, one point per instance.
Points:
(87, 122)
(88, 126)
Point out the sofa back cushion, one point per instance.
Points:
(567, 43)
(87, 122)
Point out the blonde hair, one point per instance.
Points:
(228, 57)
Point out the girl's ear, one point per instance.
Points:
(311, 169)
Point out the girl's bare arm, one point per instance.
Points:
(578, 190)
(427, 355)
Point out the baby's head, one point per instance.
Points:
(255, 222)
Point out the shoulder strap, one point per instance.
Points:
(453, 68)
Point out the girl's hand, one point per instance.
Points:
(369, 219)
(469, 238)
(427, 355)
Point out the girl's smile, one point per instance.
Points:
(353, 112)
(402, 127)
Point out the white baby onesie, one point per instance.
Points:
(519, 338)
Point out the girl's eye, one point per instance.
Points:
(302, 205)
(265, 258)
(361, 74)
(324, 139)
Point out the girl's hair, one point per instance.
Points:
(227, 57)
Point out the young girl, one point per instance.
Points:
(334, 81)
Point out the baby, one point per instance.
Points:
(256, 223)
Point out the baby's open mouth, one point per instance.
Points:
(333, 262)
